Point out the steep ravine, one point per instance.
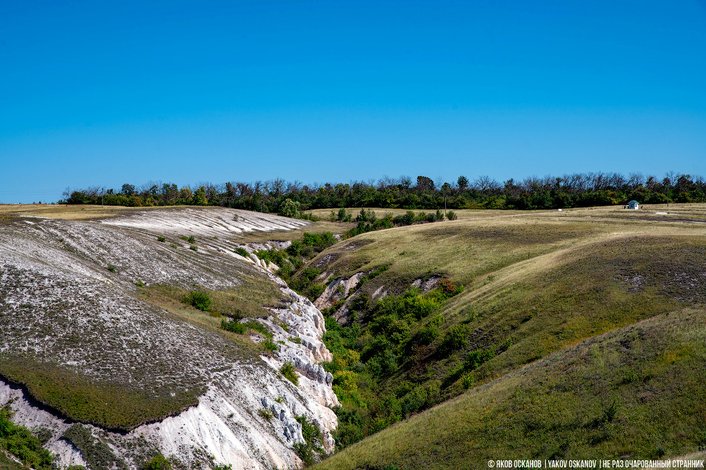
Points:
(247, 416)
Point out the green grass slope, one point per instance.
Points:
(634, 392)
(534, 286)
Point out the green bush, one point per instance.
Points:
(277, 257)
(315, 290)
(341, 216)
(233, 326)
(366, 216)
(406, 219)
(420, 397)
(258, 327)
(158, 462)
(451, 215)
(311, 447)
(242, 252)
(199, 299)
(454, 340)
(290, 208)
(270, 345)
(426, 335)
(20, 442)
(161, 238)
(288, 371)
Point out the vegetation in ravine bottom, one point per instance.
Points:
(293, 258)
(22, 444)
(373, 348)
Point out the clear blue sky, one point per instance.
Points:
(101, 93)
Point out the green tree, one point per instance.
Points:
(462, 183)
(424, 183)
(200, 198)
(290, 208)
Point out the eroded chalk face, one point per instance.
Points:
(100, 359)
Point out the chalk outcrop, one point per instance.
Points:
(68, 297)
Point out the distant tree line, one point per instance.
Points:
(279, 196)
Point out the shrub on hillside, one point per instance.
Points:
(449, 288)
(454, 340)
(426, 335)
(289, 373)
(242, 252)
(199, 300)
(233, 326)
(158, 462)
(312, 445)
(406, 219)
(476, 358)
(341, 216)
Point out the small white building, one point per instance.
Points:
(633, 205)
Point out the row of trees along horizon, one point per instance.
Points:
(280, 196)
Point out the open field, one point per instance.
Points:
(66, 211)
(667, 212)
(538, 287)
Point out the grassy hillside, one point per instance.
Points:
(526, 287)
(634, 392)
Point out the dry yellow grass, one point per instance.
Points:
(66, 211)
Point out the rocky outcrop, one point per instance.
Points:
(68, 294)
(427, 284)
(337, 290)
